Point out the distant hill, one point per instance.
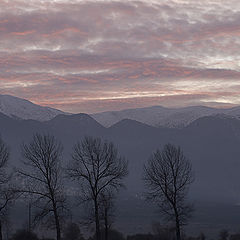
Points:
(160, 116)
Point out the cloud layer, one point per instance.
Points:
(89, 56)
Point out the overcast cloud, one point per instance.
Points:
(90, 56)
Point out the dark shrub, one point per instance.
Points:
(24, 235)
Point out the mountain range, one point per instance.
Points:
(166, 117)
(210, 142)
(156, 116)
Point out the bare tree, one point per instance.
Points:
(7, 192)
(43, 177)
(168, 175)
(97, 166)
(106, 212)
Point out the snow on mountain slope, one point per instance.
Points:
(20, 108)
(155, 116)
(159, 116)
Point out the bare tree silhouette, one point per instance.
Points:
(43, 177)
(106, 209)
(168, 175)
(7, 191)
(97, 166)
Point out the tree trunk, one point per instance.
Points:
(178, 231)
(98, 234)
(106, 223)
(29, 217)
(1, 230)
(57, 223)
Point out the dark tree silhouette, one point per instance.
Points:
(163, 232)
(97, 166)
(201, 236)
(7, 192)
(24, 235)
(43, 177)
(142, 237)
(72, 232)
(168, 175)
(223, 234)
(113, 235)
(106, 212)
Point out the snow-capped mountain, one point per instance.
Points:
(155, 116)
(23, 109)
(160, 116)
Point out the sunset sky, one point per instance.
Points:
(92, 56)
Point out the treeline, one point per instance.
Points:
(72, 232)
(98, 171)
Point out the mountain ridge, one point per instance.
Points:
(156, 116)
(159, 116)
(20, 108)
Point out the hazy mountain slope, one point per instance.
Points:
(69, 129)
(20, 108)
(160, 116)
(212, 144)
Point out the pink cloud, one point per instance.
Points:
(112, 49)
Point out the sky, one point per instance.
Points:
(92, 56)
